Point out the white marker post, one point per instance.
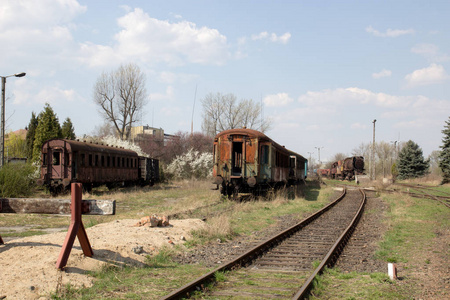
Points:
(392, 271)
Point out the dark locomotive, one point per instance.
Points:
(66, 161)
(246, 161)
(347, 168)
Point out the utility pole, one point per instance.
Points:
(318, 150)
(2, 129)
(309, 162)
(372, 163)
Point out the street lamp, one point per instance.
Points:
(2, 129)
(372, 175)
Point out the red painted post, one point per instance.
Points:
(76, 228)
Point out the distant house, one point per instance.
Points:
(139, 133)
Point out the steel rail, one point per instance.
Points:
(424, 195)
(334, 252)
(247, 257)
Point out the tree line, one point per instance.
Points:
(41, 128)
(404, 160)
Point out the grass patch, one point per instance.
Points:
(161, 275)
(334, 284)
(414, 224)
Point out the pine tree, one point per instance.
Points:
(444, 157)
(48, 128)
(411, 163)
(67, 130)
(30, 135)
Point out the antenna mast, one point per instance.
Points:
(192, 119)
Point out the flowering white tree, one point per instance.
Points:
(191, 164)
(116, 142)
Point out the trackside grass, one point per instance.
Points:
(161, 275)
(413, 242)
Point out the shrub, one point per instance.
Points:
(192, 164)
(16, 180)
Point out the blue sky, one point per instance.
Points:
(322, 69)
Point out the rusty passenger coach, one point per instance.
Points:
(247, 161)
(66, 161)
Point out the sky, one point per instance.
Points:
(322, 70)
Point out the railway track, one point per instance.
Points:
(285, 265)
(420, 191)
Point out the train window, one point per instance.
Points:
(103, 161)
(108, 161)
(264, 154)
(96, 160)
(44, 159)
(123, 162)
(90, 160)
(66, 159)
(82, 159)
(56, 158)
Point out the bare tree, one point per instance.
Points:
(385, 153)
(121, 96)
(222, 112)
(336, 157)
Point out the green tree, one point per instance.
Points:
(444, 157)
(30, 135)
(411, 163)
(48, 128)
(67, 130)
(15, 145)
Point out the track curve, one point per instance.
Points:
(282, 267)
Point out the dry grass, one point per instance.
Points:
(219, 226)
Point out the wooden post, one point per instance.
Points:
(76, 228)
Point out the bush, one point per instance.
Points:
(16, 180)
(192, 164)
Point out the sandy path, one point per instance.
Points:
(28, 265)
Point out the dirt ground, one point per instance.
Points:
(28, 265)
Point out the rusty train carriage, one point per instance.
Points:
(66, 161)
(344, 169)
(247, 161)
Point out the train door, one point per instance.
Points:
(265, 163)
(56, 167)
(237, 159)
(293, 166)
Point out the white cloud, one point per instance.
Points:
(431, 52)
(389, 32)
(433, 74)
(150, 39)
(37, 14)
(169, 95)
(381, 74)
(351, 96)
(272, 37)
(280, 99)
(358, 126)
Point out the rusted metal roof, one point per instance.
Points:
(251, 133)
(73, 145)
